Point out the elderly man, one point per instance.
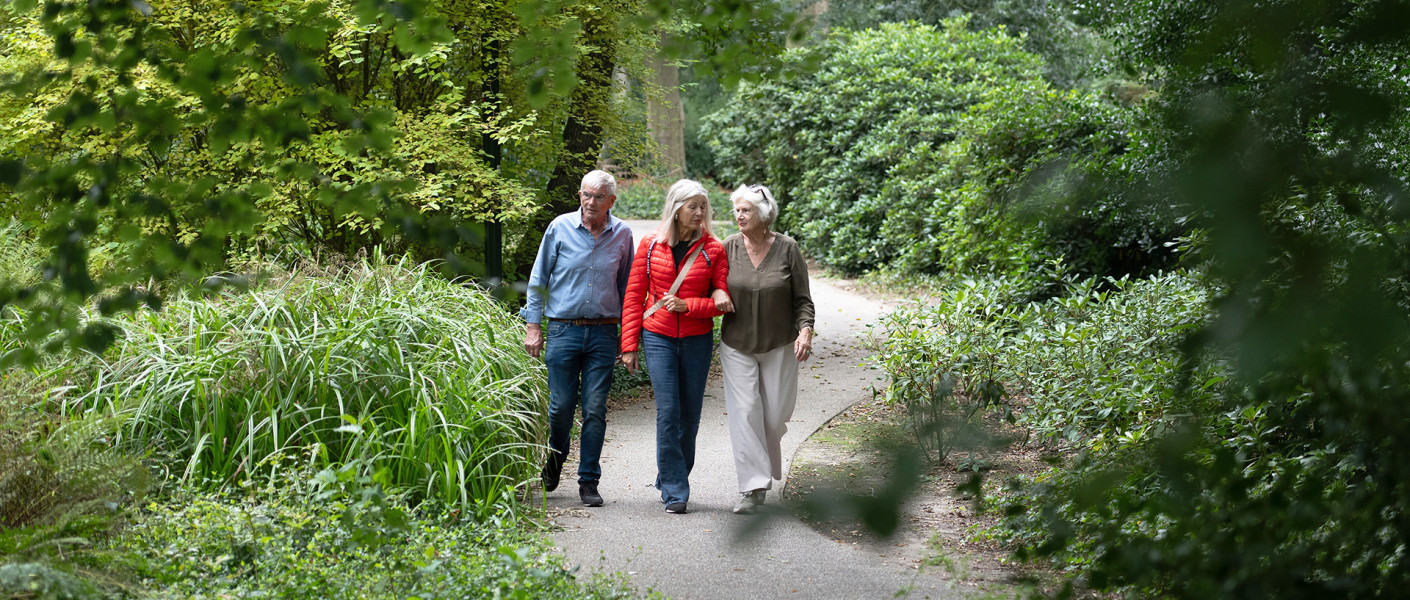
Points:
(575, 303)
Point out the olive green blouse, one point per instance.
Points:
(771, 301)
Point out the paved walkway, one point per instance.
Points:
(711, 553)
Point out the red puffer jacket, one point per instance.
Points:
(709, 272)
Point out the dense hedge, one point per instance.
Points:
(919, 147)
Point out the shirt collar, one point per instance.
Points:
(577, 220)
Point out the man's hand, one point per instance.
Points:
(533, 340)
(629, 361)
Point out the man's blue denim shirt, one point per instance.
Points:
(583, 277)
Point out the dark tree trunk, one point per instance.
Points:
(494, 232)
(582, 134)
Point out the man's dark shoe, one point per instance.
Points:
(676, 508)
(588, 492)
(551, 470)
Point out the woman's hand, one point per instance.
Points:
(674, 303)
(722, 301)
(629, 361)
(803, 346)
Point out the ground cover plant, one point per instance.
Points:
(309, 533)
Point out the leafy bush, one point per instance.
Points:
(308, 533)
(941, 362)
(384, 365)
(60, 496)
(919, 148)
(643, 198)
(1053, 29)
(1093, 368)
(1278, 126)
(19, 255)
(827, 139)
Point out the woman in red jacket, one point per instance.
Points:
(673, 322)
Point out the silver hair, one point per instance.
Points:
(600, 179)
(761, 198)
(681, 192)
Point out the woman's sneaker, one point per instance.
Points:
(749, 500)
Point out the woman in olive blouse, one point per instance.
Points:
(766, 331)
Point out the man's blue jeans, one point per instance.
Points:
(580, 359)
(678, 367)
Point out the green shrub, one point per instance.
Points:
(309, 533)
(1094, 368)
(642, 199)
(61, 495)
(382, 365)
(920, 149)
(827, 139)
(39, 581)
(1053, 29)
(19, 256)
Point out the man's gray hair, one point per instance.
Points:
(761, 198)
(676, 197)
(600, 179)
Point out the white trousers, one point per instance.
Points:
(760, 392)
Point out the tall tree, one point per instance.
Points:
(666, 114)
(587, 110)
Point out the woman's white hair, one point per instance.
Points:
(681, 192)
(600, 179)
(761, 198)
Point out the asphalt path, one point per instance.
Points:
(711, 553)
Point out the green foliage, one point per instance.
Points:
(148, 128)
(303, 533)
(727, 41)
(382, 365)
(643, 198)
(942, 366)
(920, 148)
(42, 582)
(1057, 30)
(1094, 368)
(61, 496)
(1292, 482)
(19, 254)
(183, 139)
(826, 139)
(700, 97)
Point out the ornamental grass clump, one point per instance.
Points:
(381, 365)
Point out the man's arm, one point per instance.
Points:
(532, 312)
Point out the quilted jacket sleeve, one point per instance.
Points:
(634, 299)
(718, 270)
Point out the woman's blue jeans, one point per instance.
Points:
(678, 367)
(580, 359)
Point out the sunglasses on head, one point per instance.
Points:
(762, 190)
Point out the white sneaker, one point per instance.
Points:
(749, 500)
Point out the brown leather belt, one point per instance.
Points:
(603, 321)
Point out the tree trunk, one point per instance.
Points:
(666, 115)
(582, 134)
(494, 231)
